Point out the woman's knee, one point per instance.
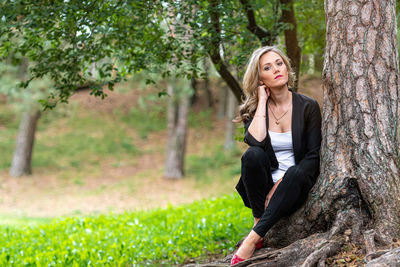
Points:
(297, 178)
(254, 156)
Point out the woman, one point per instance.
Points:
(283, 130)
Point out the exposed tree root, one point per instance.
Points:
(312, 250)
(390, 258)
(292, 255)
(369, 243)
(300, 241)
(319, 256)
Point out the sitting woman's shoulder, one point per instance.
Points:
(304, 98)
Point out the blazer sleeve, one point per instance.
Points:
(264, 144)
(249, 139)
(309, 165)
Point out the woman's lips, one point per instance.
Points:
(278, 76)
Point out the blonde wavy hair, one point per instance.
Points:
(251, 81)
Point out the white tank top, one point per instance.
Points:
(283, 148)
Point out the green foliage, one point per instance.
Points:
(22, 98)
(310, 16)
(66, 38)
(239, 133)
(97, 43)
(165, 237)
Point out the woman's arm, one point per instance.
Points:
(258, 127)
(255, 130)
(309, 165)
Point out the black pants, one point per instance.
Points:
(290, 194)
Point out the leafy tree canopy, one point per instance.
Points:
(63, 39)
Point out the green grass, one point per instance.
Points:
(15, 221)
(144, 120)
(201, 119)
(164, 237)
(225, 164)
(90, 138)
(70, 138)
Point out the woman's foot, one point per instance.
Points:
(247, 248)
(259, 245)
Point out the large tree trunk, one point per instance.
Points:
(291, 42)
(177, 117)
(359, 156)
(361, 86)
(356, 197)
(21, 163)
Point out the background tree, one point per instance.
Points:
(66, 39)
(25, 101)
(179, 93)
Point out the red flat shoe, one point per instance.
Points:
(260, 244)
(236, 259)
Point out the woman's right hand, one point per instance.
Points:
(263, 91)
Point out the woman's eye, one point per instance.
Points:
(280, 63)
(266, 68)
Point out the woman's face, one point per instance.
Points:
(273, 71)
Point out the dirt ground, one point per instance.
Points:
(139, 186)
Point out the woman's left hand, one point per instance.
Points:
(271, 192)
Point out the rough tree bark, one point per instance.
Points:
(177, 117)
(356, 197)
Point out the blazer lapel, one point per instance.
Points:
(268, 146)
(297, 121)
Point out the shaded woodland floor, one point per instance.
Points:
(122, 185)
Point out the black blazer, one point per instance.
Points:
(306, 138)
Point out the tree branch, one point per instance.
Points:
(263, 35)
(215, 56)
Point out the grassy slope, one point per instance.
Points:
(167, 237)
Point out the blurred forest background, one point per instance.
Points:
(98, 155)
(140, 113)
